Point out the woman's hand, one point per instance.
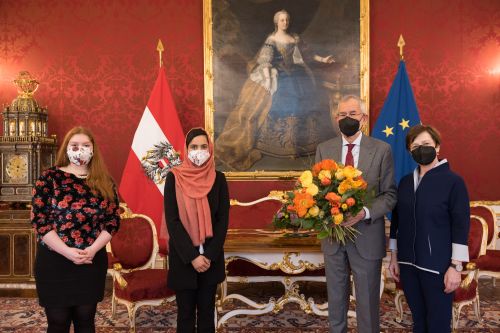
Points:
(77, 256)
(267, 84)
(394, 266)
(452, 280)
(328, 60)
(90, 254)
(201, 264)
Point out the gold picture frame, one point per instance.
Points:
(213, 38)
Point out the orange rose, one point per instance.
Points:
(350, 202)
(326, 181)
(335, 210)
(328, 165)
(290, 208)
(332, 197)
(316, 169)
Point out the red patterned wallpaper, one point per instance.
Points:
(97, 63)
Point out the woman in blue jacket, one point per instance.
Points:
(429, 232)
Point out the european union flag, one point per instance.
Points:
(398, 114)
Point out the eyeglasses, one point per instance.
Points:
(350, 114)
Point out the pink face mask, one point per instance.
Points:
(80, 155)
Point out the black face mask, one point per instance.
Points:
(424, 155)
(349, 126)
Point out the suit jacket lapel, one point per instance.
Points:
(337, 150)
(365, 154)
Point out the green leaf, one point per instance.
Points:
(308, 224)
(323, 234)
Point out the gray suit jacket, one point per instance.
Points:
(376, 163)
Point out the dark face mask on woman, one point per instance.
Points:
(349, 126)
(424, 155)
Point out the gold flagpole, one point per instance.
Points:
(401, 44)
(160, 49)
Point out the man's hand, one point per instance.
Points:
(201, 264)
(352, 220)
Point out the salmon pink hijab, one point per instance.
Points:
(192, 184)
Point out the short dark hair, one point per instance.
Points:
(416, 130)
(193, 133)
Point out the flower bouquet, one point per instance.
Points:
(322, 199)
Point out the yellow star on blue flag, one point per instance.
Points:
(398, 114)
(388, 131)
(404, 123)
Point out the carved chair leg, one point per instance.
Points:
(382, 283)
(113, 305)
(132, 309)
(398, 302)
(457, 308)
(477, 309)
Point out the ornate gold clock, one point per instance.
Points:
(25, 147)
(16, 168)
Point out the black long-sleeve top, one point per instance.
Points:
(182, 274)
(65, 203)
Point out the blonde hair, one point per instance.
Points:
(98, 178)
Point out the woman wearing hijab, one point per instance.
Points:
(197, 212)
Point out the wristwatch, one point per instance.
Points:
(457, 267)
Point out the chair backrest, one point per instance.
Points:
(478, 234)
(257, 214)
(488, 214)
(135, 245)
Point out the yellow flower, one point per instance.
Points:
(325, 174)
(345, 186)
(344, 206)
(351, 172)
(314, 211)
(337, 219)
(339, 174)
(312, 189)
(306, 178)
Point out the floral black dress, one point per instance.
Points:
(65, 203)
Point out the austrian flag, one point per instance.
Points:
(157, 145)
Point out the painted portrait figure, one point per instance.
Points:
(272, 114)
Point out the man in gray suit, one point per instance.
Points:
(363, 257)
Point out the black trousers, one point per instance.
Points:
(195, 309)
(430, 306)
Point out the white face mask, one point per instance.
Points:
(80, 155)
(199, 156)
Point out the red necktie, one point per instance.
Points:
(349, 159)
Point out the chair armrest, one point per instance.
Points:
(117, 267)
(471, 276)
(470, 266)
